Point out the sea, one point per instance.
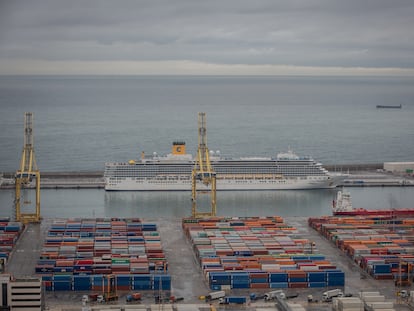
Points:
(81, 122)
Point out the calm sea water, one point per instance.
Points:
(152, 205)
(82, 122)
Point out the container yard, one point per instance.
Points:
(383, 246)
(9, 233)
(78, 254)
(258, 253)
(252, 256)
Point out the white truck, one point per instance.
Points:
(328, 295)
(216, 295)
(273, 294)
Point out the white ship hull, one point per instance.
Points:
(131, 184)
(173, 173)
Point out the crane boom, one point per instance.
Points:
(203, 170)
(27, 172)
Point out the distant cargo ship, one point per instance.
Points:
(390, 106)
(342, 206)
(173, 172)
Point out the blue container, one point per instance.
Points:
(336, 282)
(62, 278)
(63, 269)
(141, 285)
(47, 277)
(243, 253)
(317, 284)
(62, 285)
(238, 224)
(278, 277)
(46, 262)
(221, 278)
(82, 283)
(279, 285)
(382, 268)
(141, 278)
(47, 282)
(316, 276)
(163, 286)
(215, 287)
(149, 227)
(240, 276)
(123, 280)
(82, 272)
(44, 270)
(297, 280)
(235, 299)
(98, 280)
(240, 285)
(216, 265)
(335, 275)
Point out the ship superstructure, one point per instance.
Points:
(173, 172)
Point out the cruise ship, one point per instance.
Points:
(286, 171)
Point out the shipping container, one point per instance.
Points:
(78, 252)
(256, 253)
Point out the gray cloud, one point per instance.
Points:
(354, 33)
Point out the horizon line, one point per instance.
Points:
(184, 68)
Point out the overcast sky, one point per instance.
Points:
(207, 37)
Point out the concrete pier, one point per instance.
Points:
(360, 175)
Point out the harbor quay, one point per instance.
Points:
(188, 279)
(357, 175)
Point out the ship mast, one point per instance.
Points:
(203, 171)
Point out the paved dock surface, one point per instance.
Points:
(187, 279)
(27, 251)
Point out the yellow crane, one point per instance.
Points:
(27, 173)
(203, 171)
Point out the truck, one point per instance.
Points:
(133, 297)
(273, 294)
(328, 295)
(233, 299)
(255, 297)
(216, 295)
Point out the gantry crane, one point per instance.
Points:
(109, 287)
(405, 274)
(203, 171)
(27, 173)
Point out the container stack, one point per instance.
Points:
(347, 303)
(382, 246)
(375, 301)
(79, 253)
(9, 233)
(258, 253)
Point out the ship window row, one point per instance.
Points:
(160, 175)
(148, 173)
